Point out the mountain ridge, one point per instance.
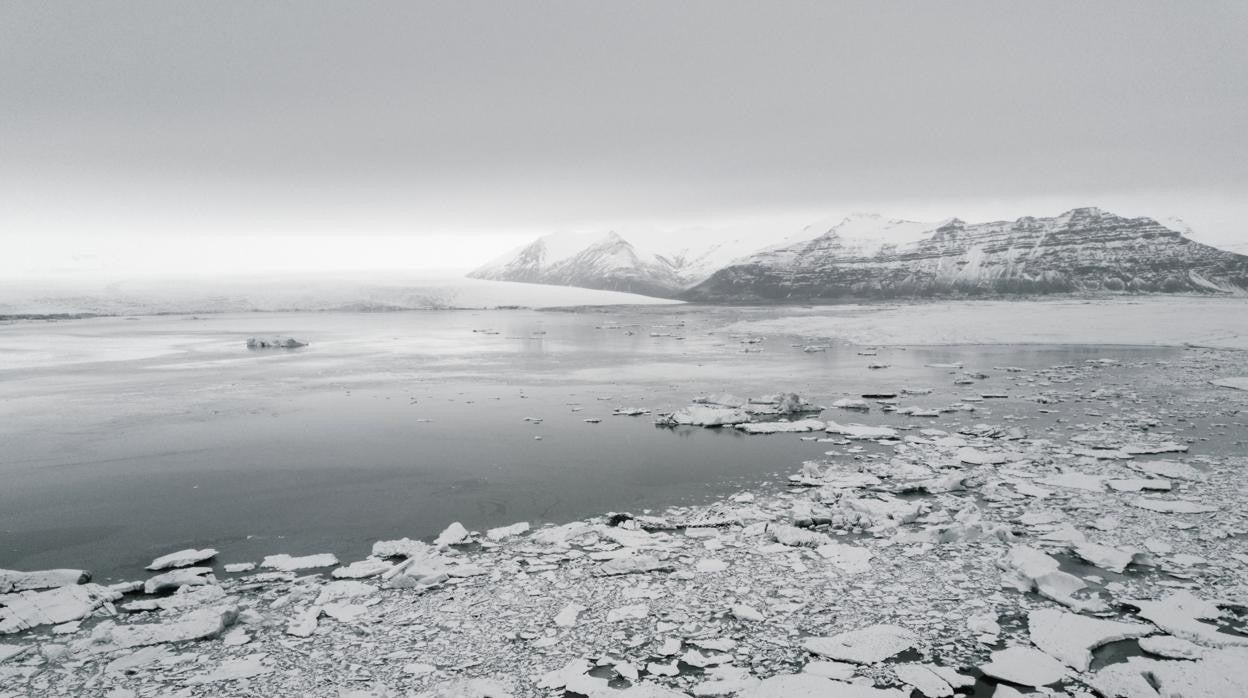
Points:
(871, 256)
(1081, 250)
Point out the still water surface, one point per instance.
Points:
(122, 439)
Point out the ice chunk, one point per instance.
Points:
(559, 678)
(1171, 647)
(502, 532)
(1028, 569)
(276, 342)
(1139, 484)
(1108, 558)
(1075, 480)
(1219, 674)
(861, 431)
(402, 547)
(794, 536)
(452, 535)
(1180, 613)
(286, 563)
(29, 609)
(197, 625)
(343, 589)
(706, 416)
(928, 682)
(864, 646)
(801, 425)
(1026, 666)
(188, 576)
(1167, 469)
(1070, 637)
(362, 569)
(566, 618)
(8, 652)
(182, 558)
(13, 580)
(812, 686)
(749, 613)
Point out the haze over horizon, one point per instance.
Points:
(234, 137)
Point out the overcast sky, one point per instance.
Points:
(481, 123)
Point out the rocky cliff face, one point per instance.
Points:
(1084, 249)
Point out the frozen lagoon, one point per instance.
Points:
(128, 437)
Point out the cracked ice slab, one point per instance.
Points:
(1070, 637)
(29, 609)
(864, 646)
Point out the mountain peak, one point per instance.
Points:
(1084, 249)
(1084, 213)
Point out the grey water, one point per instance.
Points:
(125, 438)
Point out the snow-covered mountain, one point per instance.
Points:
(607, 262)
(665, 263)
(1085, 249)
(871, 256)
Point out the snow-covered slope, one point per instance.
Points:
(589, 261)
(1084, 249)
(1175, 223)
(861, 234)
(666, 262)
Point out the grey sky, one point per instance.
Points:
(230, 118)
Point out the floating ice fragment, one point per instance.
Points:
(1025, 666)
(1070, 637)
(14, 580)
(286, 563)
(502, 532)
(861, 431)
(29, 609)
(864, 646)
(749, 613)
(452, 535)
(922, 678)
(199, 624)
(182, 558)
(566, 618)
(812, 686)
(274, 343)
